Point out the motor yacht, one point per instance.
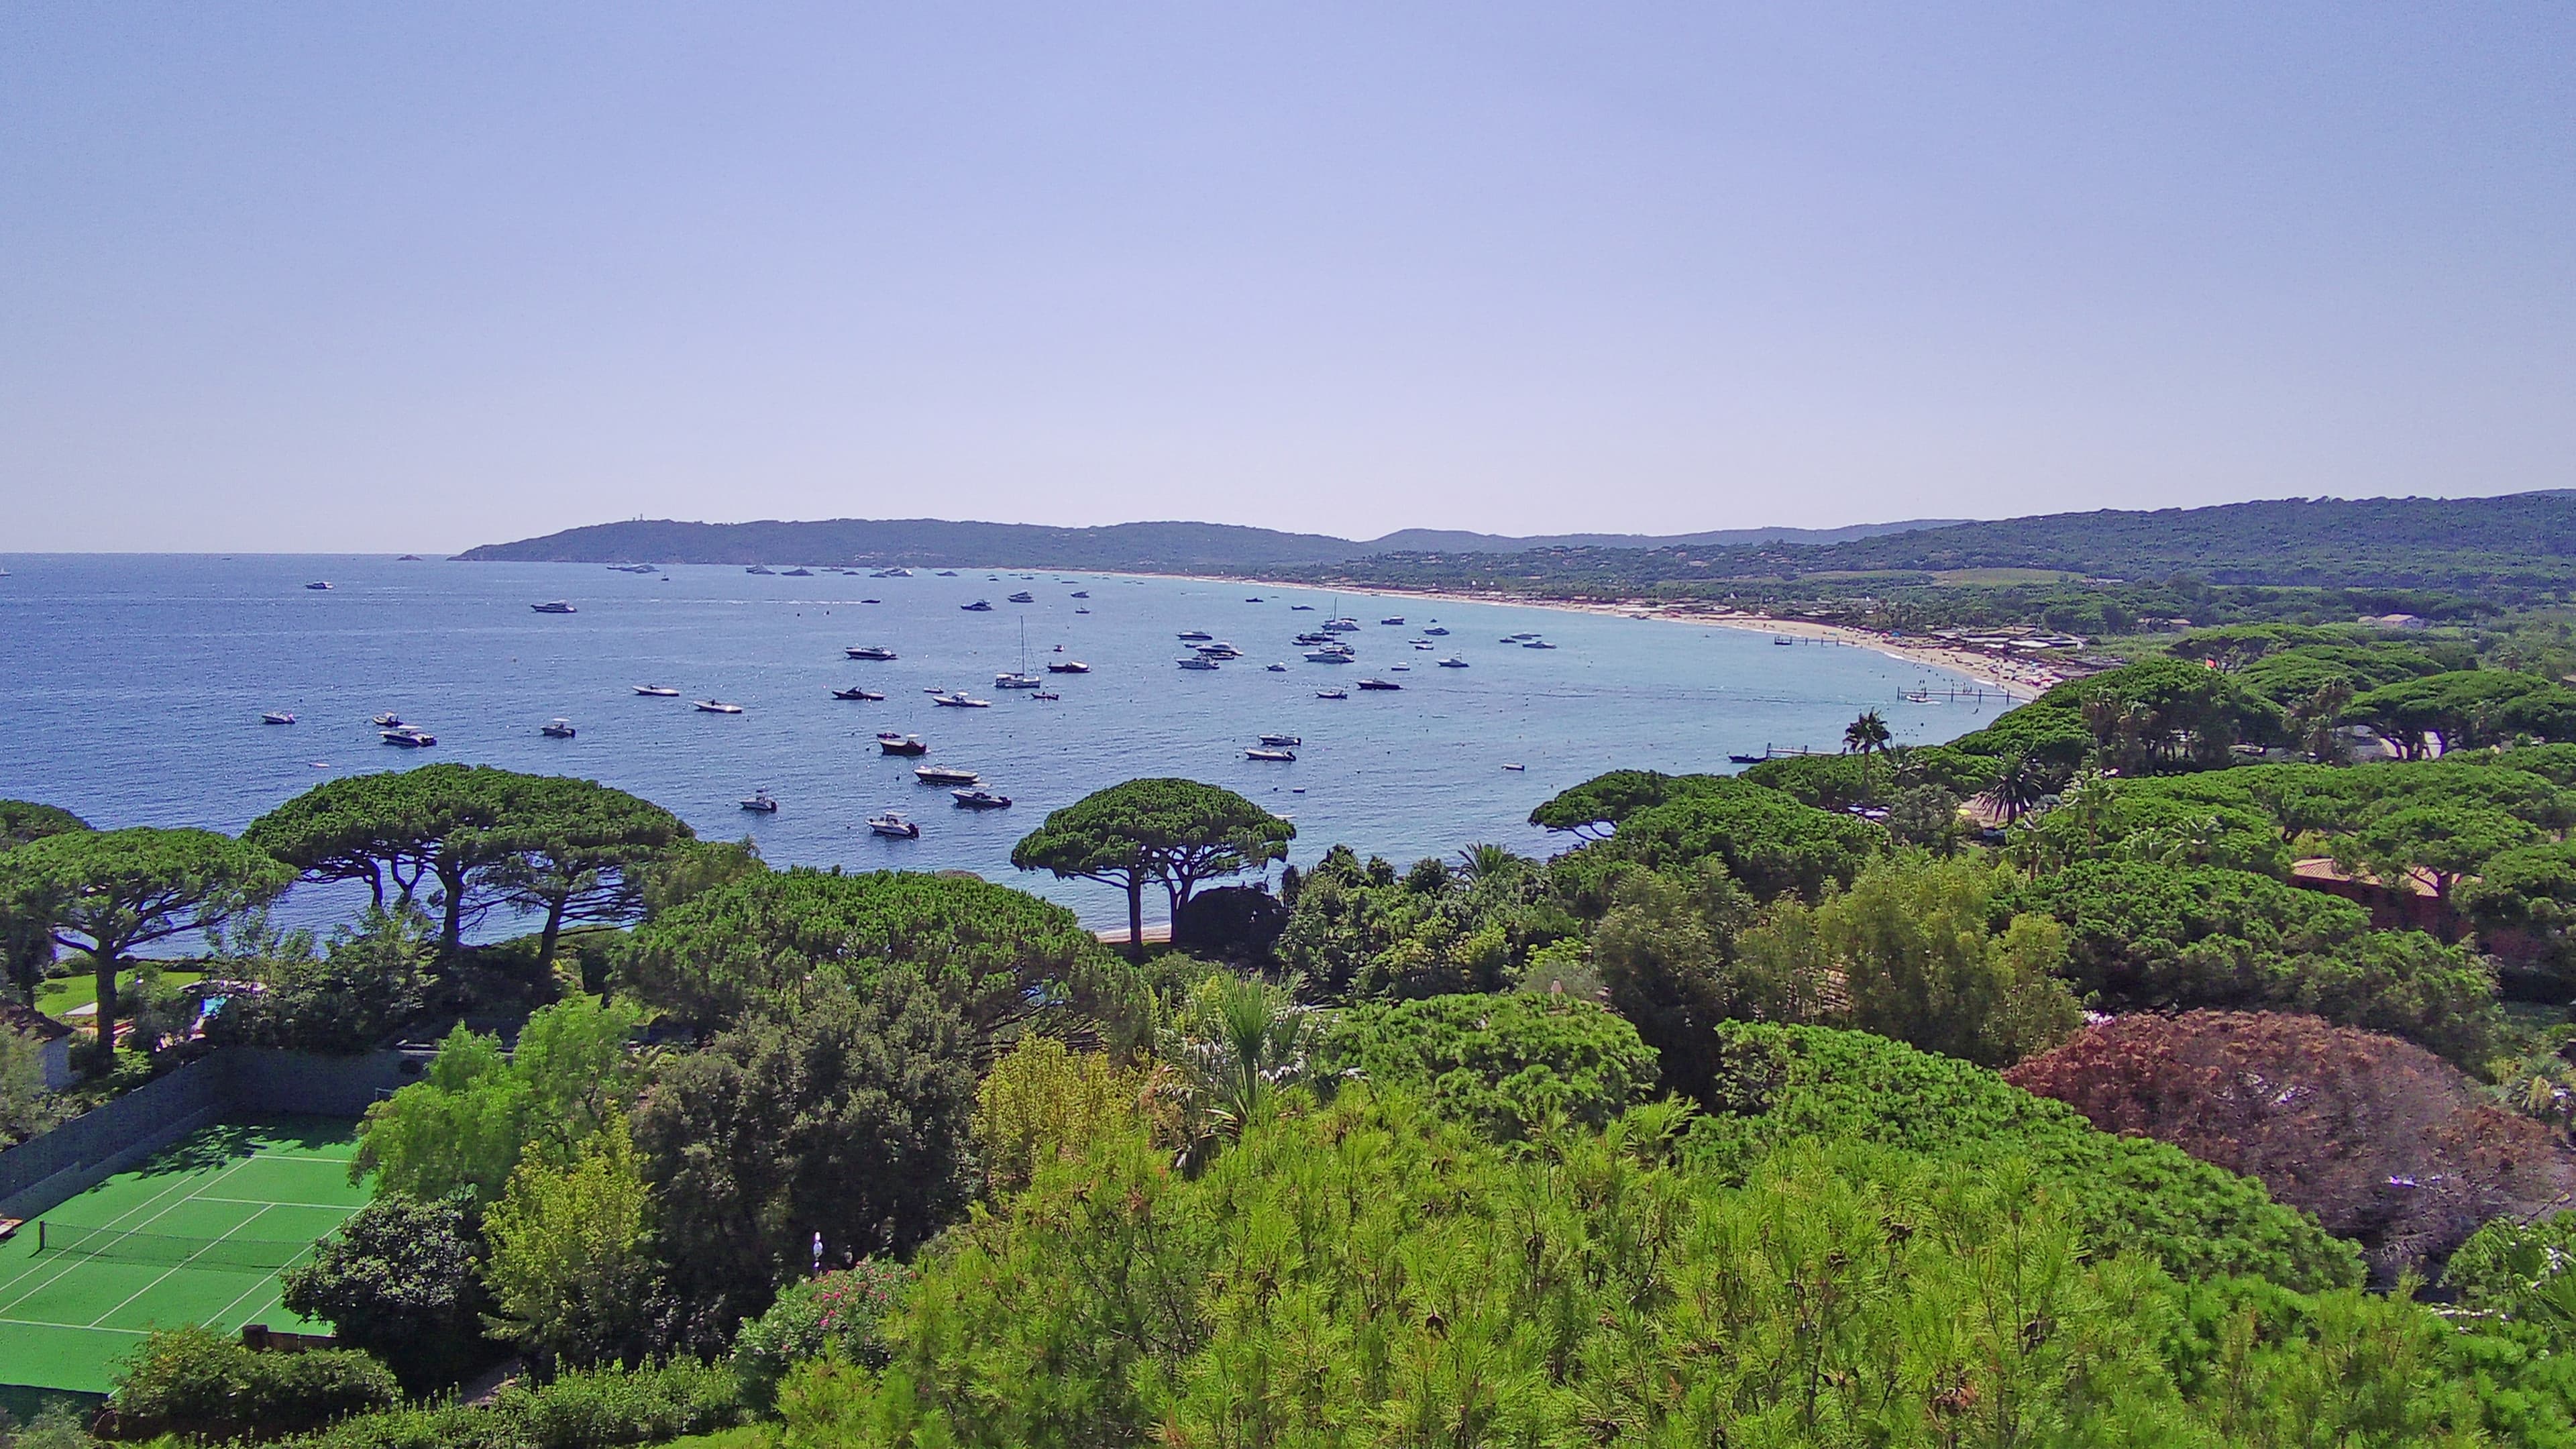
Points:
(979, 800)
(894, 823)
(278, 716)
(1453, 662)
(960, 699)
(761, 801)
(1395, 621)
(1188, 636)
(891, 743)
(1023, 597)
(319, 585)
(1274, 668)
(760, 569)
(1067, 666)
(1329, 656)
(555, 606)
(869, 651)
(1281, 740)
(557, 728)
(1536, 644)
(1197, 661)
(1435, 630)
(387, 721)
(657, 691)
(718, 706)
(980, 606)
(945, 775)
(408, 737)
(798, 574)
(1265, 753)
(855, 692)
(1379, 684)
(1332, 694)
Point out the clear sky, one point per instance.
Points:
(381, 276)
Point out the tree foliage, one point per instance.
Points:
(1176, 832)
(1043, 1102)
(478, 1114)
(568, 1267)
(26, 940)
(2383, 1141)
(1510, 1065)
(343, 1001)
(400, 1280)
(1771, 844)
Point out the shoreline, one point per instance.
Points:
(2017, 681)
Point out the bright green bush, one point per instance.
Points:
(1506, 1064)
(601, 1408)
(205, 1386)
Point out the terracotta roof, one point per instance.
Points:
(28, 1021)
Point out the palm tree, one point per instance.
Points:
(1485, 860)
(2018, 790)
(1865, 736)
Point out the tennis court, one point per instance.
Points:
(196, 1235)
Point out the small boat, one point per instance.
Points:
(943, 573)
(979, 800)
(1783, 641)
(319, 585)
(408, 558)
(1045, 694)
(1188, 635)
(871, 601)
(1312, 641)
(1435, 630)
(960, 699)
(1017, 681)
(1746, 759)
(1197, 661)
(760, 569)
(1399, 669)
(1453, 662)
(1067, 666)
(1274, 668)
(1281, 740)
(945, 775)
(1255, 599)
(980, 606)
(1516, 768)
(1082, 611)
(898, 572)
(408, 738)
(1424, 644)
(1023, 597)
(557, 728)
(1329, 656)
(1082, 593)
(658, 691)
(718, 706)
(1341, 626)
(1536, 644)
(1379, 684)
(855, 692)
(555, 606)
(1284, 756)
(1332, 694)
(894, 744)
(1301, 608)
(387, 721)
(762, 801)
(1393, 620)
(869, 651)
(893, 823)
(797, 574)
(278, 716)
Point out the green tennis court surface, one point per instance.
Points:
(196, 1235)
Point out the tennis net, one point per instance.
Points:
(174, 1249)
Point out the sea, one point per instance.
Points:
(131, 690)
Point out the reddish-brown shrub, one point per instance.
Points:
(2385, 1142)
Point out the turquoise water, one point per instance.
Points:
(134, 686)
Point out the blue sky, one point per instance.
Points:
(304, 276)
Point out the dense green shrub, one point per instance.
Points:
(1507, 1064)
(1830, 782)
(204, 1386)
(603, 1408)
(400, 1279)
(1788, 1084)
(1770, 843)
(836, 1314)
(1367, 1274)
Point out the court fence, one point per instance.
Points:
(233, 1084)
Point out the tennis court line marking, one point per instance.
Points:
(175, 1267)
(35, 1265)
(75, 1327)
(67, 1268)
(334, 1207)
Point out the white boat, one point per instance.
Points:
(854, 692)
(1187, 635)
(945, 775)
(278, 716)
(1435, 630)
(1341, 626)
(1332, 694)
(959, 699)
(979, 800)
(1536, 644)
(760, 569)
(1515, 767)
(557, 606)
(980, 606)
(319, 585)
(1281, 740)
(1218, 650)
(1067, 666)
(1023, 597)
(1329, 656)
(1023, 679)
(894, 744)
(761, 801)
(1284, 756)
(869, 651)
(1197, 661)
(718, 706)
(557, 728)
(657, 691)
(387, 721)
(893, 823)
(408, 738)
(1393, 620)
(1453, 662)
(1379, 684)
(1274, 668)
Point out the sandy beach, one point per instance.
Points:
(2017, 679)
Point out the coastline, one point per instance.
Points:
(2017, 680)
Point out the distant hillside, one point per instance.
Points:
(1144, 546)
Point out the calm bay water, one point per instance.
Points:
(134, 686)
